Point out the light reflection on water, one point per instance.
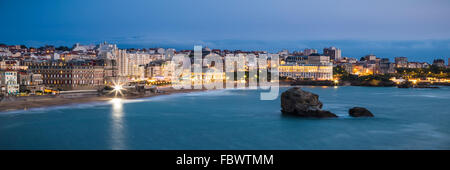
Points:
(117, 124)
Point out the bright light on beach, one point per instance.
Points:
(118, 87)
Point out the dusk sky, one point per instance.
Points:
(358, 27)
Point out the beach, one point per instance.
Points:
(25, 103)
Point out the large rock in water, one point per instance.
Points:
(297, 102)
(359, 112)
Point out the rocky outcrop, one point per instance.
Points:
(297, 102)
(359, 112)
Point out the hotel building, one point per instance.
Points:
(317, 68)
(69, 75)
(30, 82)
(307, 71)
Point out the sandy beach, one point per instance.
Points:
(24, 103)
(47, 101)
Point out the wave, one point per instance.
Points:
(440, 96)
(223, 92)
(45, 109)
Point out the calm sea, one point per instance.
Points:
(237, 119)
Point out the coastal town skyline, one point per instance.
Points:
(30, 71)
(412, 29)
(423, 51)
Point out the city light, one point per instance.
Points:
(118, 87)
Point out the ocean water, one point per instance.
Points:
(237, 119)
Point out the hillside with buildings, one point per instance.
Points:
(28, 71)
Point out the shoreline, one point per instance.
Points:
(51, 101)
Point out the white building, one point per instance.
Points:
(8, 82)
(107, 51)
(307, 71)
(4, 52)
(318, 67)
(170, 52)
(132, 64)
(160, 50)
(122, 62)
(135, 64)
(83, 48)
(56, 56)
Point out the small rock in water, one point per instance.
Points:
(297, 102)
(359, 112)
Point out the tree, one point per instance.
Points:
(339, 70)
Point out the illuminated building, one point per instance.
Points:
(31, 82)
(12, 65)
(69, 75)
(418, 65)
(307, 71)
(318, 67)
